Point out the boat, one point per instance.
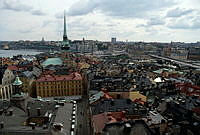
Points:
(6, 47)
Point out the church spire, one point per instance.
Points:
(65, 31)
(65, 43)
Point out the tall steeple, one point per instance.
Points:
(65, 31)
(65, 45)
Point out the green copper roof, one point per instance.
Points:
(17, 81)
(18, 95)
(52, 61)
(65, 43)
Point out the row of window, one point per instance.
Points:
(5, 92)
(58, 93)
(54, 87)
(61, 82)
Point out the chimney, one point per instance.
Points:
(1, 124)
(1, 111)
(112, 102)
(109, 114)
(32, 125)
(10, 112)
(38, 111)
(127, 128)
(45, 127)
(28, 111)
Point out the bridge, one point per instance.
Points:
(176, 61)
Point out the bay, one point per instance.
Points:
(11, 53)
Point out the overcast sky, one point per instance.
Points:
(132, 20)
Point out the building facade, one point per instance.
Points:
(6, 79)
(65, 85)
(113, 40)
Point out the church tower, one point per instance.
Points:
(18, 98)
(65, 43)
(65, 31)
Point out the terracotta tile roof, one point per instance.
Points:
(139, 101)
(100, 120)
(106, 94)
(49, 78)
(48, 72)
(13, 68)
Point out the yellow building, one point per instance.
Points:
(136, 95)
(28, 85)
(132, 95)
(63, 85)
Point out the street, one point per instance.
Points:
(82, 117)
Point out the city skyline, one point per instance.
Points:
(134, 20)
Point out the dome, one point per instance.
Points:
(52, 61)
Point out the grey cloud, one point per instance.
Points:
(38, 13)
(177, 12)
(25, 31)
(185, 23)
(119, 8)
(47, 22)
(152, 22)
(80, 24)
(151, 31)
(155, 21)
(141, 25)
(15, 6)
(59, 15)
(83, 7)
(111, 25)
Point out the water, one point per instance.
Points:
(11, 53)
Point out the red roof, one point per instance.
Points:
(13, 68)
(100, 120)
(48, 72)
(49, 78)
(106, 94)
(139, 101)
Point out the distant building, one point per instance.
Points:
(194, 53)
(43, 39)
(113, 40)
(59, 85)
(179, 53)
(84, 46)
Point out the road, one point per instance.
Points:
(82, 117)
